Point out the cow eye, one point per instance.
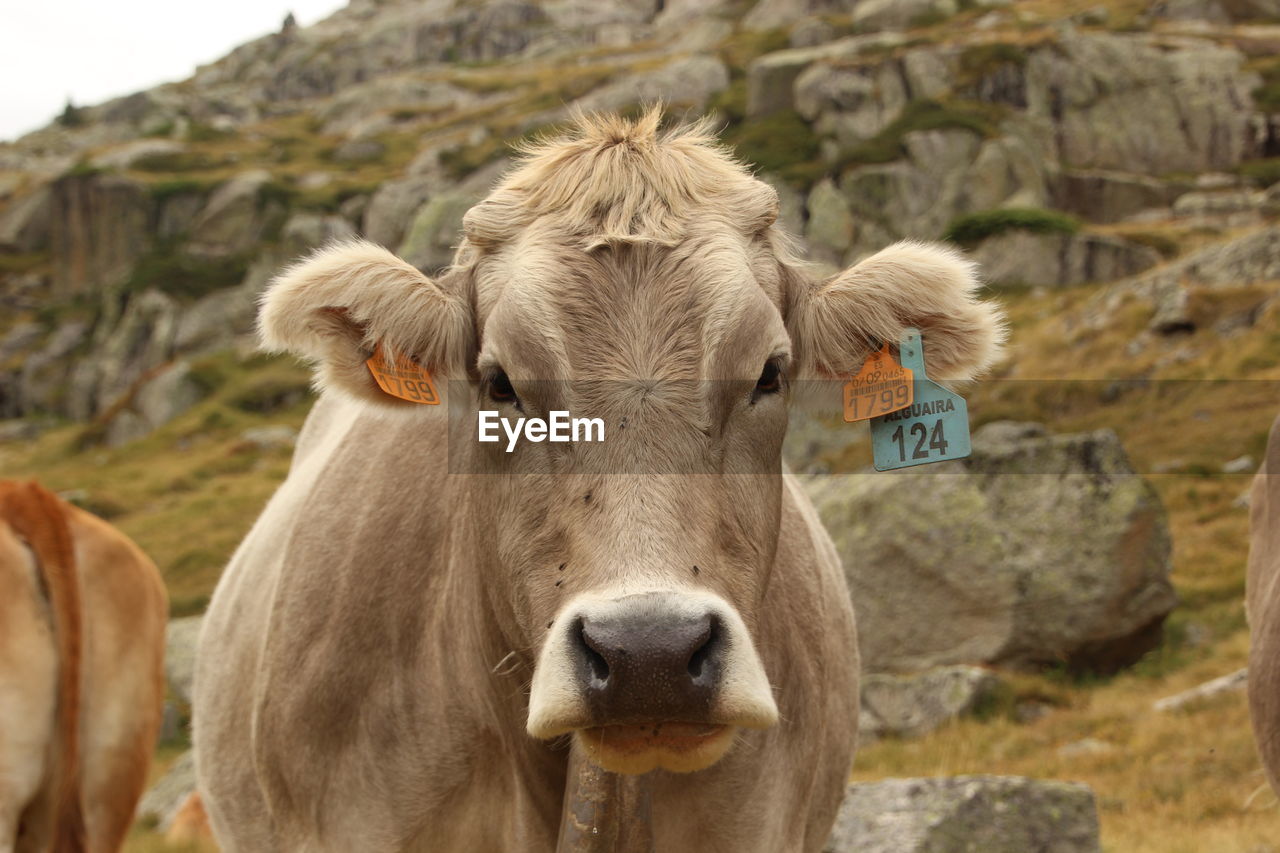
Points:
(770, 381)
(500, 390)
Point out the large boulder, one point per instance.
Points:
(100, 225)
(181, 637)
(966, 814)
(1051, 260)
(914, 705)
(982, 560)
(235, 217)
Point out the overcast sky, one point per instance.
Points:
(93, 50)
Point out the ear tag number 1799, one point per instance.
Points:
(934, 428)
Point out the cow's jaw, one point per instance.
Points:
(647, 717)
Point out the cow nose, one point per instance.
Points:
(646, 667)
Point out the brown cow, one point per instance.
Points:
(82, 619)
(1262, 599)
(420, 622)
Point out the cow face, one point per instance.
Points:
(635, 278)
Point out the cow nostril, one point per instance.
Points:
(597, 666)
(702, 661)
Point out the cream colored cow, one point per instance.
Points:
(82, 618)
(420, 624)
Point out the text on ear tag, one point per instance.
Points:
(403, 378)
(880, 387)
(934, 428)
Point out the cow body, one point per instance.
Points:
(82, 624)
(1263, 605)
(402, 650)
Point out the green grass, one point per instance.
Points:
(973, 228)
(977, 61)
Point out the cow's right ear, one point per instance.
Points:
(338, 305)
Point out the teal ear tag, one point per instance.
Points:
(934, 428)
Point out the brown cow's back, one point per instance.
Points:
(82, 636)
(1263, 609)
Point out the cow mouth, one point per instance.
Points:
(676, 746)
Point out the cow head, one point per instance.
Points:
(638, 277)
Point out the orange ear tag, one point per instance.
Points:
(404, 378)
(880, 387)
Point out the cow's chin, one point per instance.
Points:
(678, 747)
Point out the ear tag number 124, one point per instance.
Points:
(934, 428)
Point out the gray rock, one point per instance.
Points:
(1053, 260)
(1085, 747)
(100, 225)
(981, 561)
(25, 223)
(128, 155)
(770, 78)
(811, 32)
(913, 705)
(1239, 465)
(180, 655)
(1131, 102)
(966, 814)
(304, 232)
(391, 209)
(1103, 196)
(685, 83)
(271, 437)
(897, 14)
(163, 799)
(831, 227)
(234, 217)
(435, 231)
(359, 151)
(1234, 682)
(1249, 258)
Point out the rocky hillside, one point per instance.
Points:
(1113, 164)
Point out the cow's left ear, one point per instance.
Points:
(338, 305)
(835, 324)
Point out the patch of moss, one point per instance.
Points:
(782, 143)
(887, 145)
(1165, 245)
(745, 45)
(1261, 173)
(163, 190)
(270, 393)
(177, 161)
(170, 271)
(973, 228)
(731, 103)
(1267, 96)
(20, 262)
(979, 60)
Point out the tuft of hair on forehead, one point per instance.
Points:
(612, 179)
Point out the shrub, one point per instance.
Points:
(973, 228)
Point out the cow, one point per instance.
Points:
(1262, 605)
(82, 630)
(422, 627)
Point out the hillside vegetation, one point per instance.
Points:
(1112, 165)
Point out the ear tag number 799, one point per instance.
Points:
(934, 428)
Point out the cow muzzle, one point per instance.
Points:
(650, 680)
